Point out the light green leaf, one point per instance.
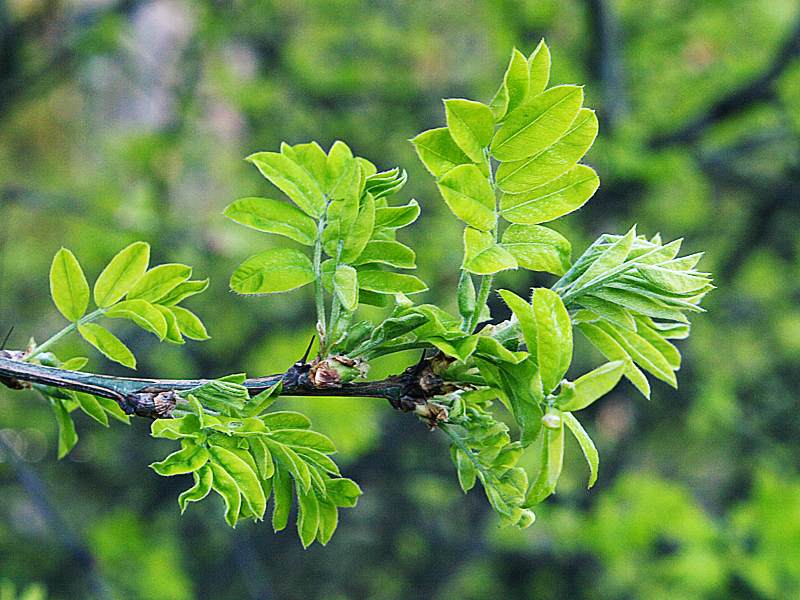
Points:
(483, 256)
(465, 470)
(342, 172)
(357, 237)
(282, 493)
(312, 158)
(514, 88)
(68, 286)
(438, 151)
(608, 310)
(225, 485)
(272, 271)
(537, 123)
(203, 479)
(304, 438)
(189, 458)
(586, 444)
(92, 407)
(592, 386)
(175, 429)
(553, 337)
(159, 281)
(113, 409)
(555, 199)
(538, 248)
(183, 291)
(173, 329)
(465, 295)
(189, 323)
(343, 492)
(667, 350)
(107, 343)
(611, 258)
(471, 125)
(307, 517)
(345, 286)
(292, 180)
(262, 458)
(527, 320)
(552, 460)
(121, 274)
(328, 520)
(643, 352)
(286, 419)
(613, 351)
(273, 216)
(387, 252)
(245, 477)
(141, 312)
(67, 437)
(469, 195)
(395, 217)
(384, 282)
(558, 158)
(539, 64)
(76, 363)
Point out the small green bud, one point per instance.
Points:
(552, 419)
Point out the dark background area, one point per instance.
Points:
(129, 120)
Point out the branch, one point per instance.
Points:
(156, 398)
(757, 90)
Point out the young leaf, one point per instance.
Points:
(312, 158)
(190, 458)
(527, 320)
(592, 386)
(92, 407)
(68, 286)
(145, 315)
(292, 180)
(384, 282)
(389, 253)
(282, 490)
(183, 291)
(225, 485)
(466, 295)
(342, 172)
(67, 437)
(203, 478)
(643, 352)
(272, 271)
(514, 88)
(245, 477)
(523, 175)
(345, 286)
(189, 323)
(343, 492)
(553, 336)
(552, 460)
(613, 351)
(173, 329)
(328, 520)
(357, 237)
(610, 259)
(483, 256)
(304, 438)
(159, 281)
(273, 216)
(555, 199)
(121, 274)
(539, 65)
(538, 248)
(395, 217)
(471, 125)
(438, 151)
(469, 195)
(107, 343)
(537, 123)
(587, 445)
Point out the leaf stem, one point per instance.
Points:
(92, 316)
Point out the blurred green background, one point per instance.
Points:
(127, 120)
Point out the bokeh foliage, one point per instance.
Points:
(128, 120)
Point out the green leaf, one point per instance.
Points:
(483, 256)
(286, 419)
(608, 311)
(203, 479)
(328, 521)
(527, 320)
(68, 286)
(643, 352)
(245, 477)
(613, 351)
(92, 407)
(395, 217)
(183, 291)
(159, 281)
(552, 460)
(592, 386)
(292, 180)
(273, 216)
(342, 172)
(225, 485)
(538, 248)
(465, 295)
(141, 312)
(465, 470)
(537, 123)
(319, 459)
(514, 88)
(553, 336)
(107, 343)
(345, 286)
(289, 460)
(384, 282)
(67, 437)
(586, 444)
(558, 158)
(113, 409)
(312, 158)
(262, 458)
(468, 193)
(343, 492)
(359, 234)
(438, 151)
(471, 125)
(611, 258)
(173, 329)
(307, 517)
(190, 458)
(539, 64)
(121, 274)
(76, 363)
(555, 199)
(175, 429)
(272, 271)
(189, 323)
(282, 490)
(304, 438)
(389, 253)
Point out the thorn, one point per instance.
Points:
(302, 361)
(5, 339)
